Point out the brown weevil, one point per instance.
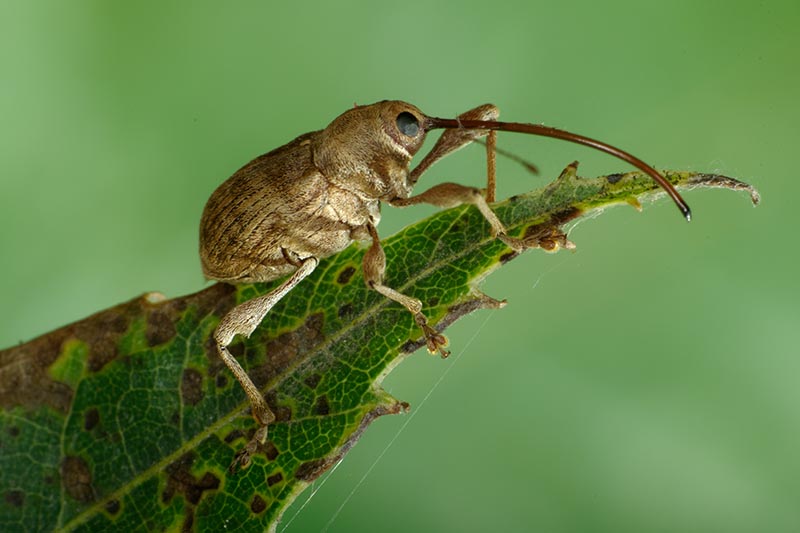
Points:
(309, 199)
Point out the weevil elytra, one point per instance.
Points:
(282, 212)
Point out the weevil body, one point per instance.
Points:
(309, 199)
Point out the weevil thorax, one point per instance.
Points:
(368, 149)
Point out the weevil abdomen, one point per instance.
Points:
(277, 206)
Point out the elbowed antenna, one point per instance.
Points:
(546, 131)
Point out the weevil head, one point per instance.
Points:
(368, 149)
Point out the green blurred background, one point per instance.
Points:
(649, 381)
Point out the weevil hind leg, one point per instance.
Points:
(374, 266)
(243, 320)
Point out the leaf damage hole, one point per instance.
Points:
(614, 178)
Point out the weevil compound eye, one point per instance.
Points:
(407, 124)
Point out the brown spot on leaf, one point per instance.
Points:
(24, 369)
(191, 386)
(313, 380)
(103, 348)
(344, 276)
(508, 256)
(275, 478)
(24, 376)
(25, 379)
(91, 419)
(13, 431)
(77, 479)
(614, 178)
(271, 451)
(181, 481)
(233, 435)
(222, 381)
(311, 470)
(236, 348)
(188, 521)
(112, 506)
(215, 364)
(258, 505)
(160, 327)
(322, 407)
(345, 310)
(283, 413)
(208, 482)
(15, 498)
(285, 349)
(458, 226)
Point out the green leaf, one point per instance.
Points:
(128, 420)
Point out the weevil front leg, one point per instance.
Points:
(446, 195)
(374, 266)
(456, 138)
(243, 320)
(452, 194)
